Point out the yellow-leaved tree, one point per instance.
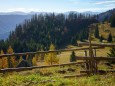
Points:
(51, 58)
(20, 59)
(11, 60)
(3, 61)
(34, 60)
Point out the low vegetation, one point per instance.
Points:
(35, 79)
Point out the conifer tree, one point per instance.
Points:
(96, 32)
(73, 57)
(109, 38)
(51, 58)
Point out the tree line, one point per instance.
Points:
(41, 30)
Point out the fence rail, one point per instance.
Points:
(38, 52)
(87, 60)
(35, 67)
(95, 58)
(56, 65)
(95, 44)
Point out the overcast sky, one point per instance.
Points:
(56, 5)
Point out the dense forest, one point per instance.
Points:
(41, 30)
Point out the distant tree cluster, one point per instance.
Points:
(41, 30)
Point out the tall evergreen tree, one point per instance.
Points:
(96, 32)
(109, 38)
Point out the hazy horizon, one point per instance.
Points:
(58, 6)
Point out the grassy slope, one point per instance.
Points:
(105, 29)
(34, 77)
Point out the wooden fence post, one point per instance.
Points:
(9, 62)
(94, 52)
(86, 64)
(93, 67)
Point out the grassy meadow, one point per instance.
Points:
(51, 76)
(34, 78)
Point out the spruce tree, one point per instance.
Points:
(109, 38)
(96, 32)
(73, 57)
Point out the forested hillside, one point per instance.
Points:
(41, 30)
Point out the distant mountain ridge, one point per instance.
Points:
(9, 20)
(106, 15)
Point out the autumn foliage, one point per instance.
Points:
(51, 58)
(3, 61)
(11, 60)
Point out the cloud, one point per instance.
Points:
(104, 2)
(94, 9)
(22, 9)
(110, 5)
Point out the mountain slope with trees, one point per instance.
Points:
(105, 16)
(41, 30)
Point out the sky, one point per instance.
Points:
(58, 6)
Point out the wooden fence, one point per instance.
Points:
(89, 61)
(84, 58)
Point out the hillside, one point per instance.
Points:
(105, 29)
(41, 30)
(9, 22)
(105, 16)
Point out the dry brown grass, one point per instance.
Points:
(105, 29)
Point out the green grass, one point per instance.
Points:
(18, 79)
